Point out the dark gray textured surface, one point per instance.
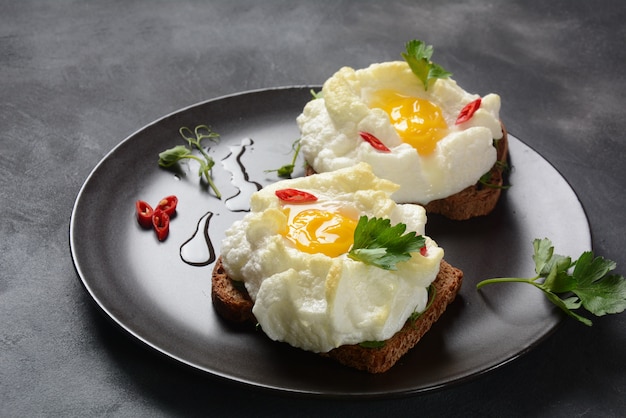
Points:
(78, 77)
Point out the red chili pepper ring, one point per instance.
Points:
(374, 142)
(161, 224)
(157, 218)
(468, 111)
(295, 195)
(144, 213)
(168, 204)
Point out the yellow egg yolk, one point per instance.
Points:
(419, 122)
(315, 231)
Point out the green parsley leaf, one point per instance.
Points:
(589, 285)
(378, 243)
(418, 55)
(599, 292)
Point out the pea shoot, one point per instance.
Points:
(172, 156)
(287, 170)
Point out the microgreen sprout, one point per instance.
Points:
(172, 156)
(287, 170)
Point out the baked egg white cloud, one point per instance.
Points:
(431, 157)
(318, 298)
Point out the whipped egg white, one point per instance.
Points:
(317, 301)
(431, 157)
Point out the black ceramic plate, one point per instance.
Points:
(164, 299)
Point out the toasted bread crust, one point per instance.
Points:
(234, 304)
(473, 201)
(231, 303)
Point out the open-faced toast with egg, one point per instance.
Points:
(444, 147)
(233, 303)
(329, 263)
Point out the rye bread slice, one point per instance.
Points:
(230, 299)
(232, 302)
(473, 201)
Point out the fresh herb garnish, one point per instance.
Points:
(432, 292)
(378, 243)
(485, 179)
(170, 157)
(372, 344)
(317, 95)
(287, 170)
(418, 55)
(588, 284)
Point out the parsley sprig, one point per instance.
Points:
(418, 55)
(378, 243)
(171, 156)
(585, 282)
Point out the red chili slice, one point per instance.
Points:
(468, 111)
(424, 251)
(168, 204)
(295, 195)
(374, 142)
(161, 224)
(144, 213)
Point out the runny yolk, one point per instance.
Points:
(320, 231)
(419, 123)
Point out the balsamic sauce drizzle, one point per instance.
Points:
(198, 250)
(186, 251)
(239, 202)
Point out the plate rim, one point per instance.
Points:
(112, 318)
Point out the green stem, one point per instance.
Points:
(295, 154)
(193, 157)
(207, 175)
(208, 163)
(203, 152)
(212, 185)
(551, 296)
(207, 157)
(507, 280)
